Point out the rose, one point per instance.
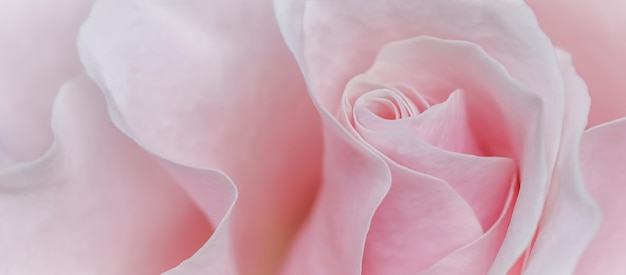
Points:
(335, 42)
(383, 239)
(390, 246)
(162, 50)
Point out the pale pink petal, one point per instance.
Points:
(593, 32)
(214, 257)
(477, 257)
(354, 184)
(603, 159)
(420, 221)
(211, 84)
(571, 217)
(37, 54)
(97, 203)
(445, 125)
(215, 197)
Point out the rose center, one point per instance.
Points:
(388, 104)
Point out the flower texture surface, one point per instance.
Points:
(307, 137)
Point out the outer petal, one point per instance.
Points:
(37, 54)
(211, 84)
(97, 203)
(603, 159)
(571, 217)
(593, 32)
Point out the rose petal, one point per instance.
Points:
(603, 154)
(211, 84)
(355, 182)
(571, 217)
(477, 257)
(443, 125)
(96, 202)
(215, 197)
(593, 32)
(420, 221)
(37, 54)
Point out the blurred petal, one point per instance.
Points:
(603, 156)
(37, 54)
(571, 217)
(211, 84)
(593, 32)
(97, 203)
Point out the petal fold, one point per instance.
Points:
(593, 33)
(37, 55)
(98, 203)
(603, 155)
(571, 217)
(355, 182)
(420, 221)
(211, 84)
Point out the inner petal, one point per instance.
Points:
(383, 108)
(388, 104)
(439, 142)
(446, 125)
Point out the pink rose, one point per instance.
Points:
(436, 137)
(452, 136)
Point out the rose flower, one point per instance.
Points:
(299, 137)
